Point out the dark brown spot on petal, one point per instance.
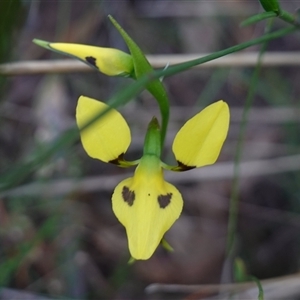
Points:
(164, 200)
(128, 195)
(91, 60)
(182, 167)
(117, 160)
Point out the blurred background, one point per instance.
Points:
(59, 238)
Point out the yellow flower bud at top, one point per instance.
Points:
(109, 61)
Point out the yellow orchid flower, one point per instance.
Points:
(146, 204)
(110, 61)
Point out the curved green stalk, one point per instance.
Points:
(287, 17)
(259, 286)
(155, 87)
(234, 201)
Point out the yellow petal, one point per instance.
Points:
(147, 206)
(109, 61)
(108, 137)
(199, 141)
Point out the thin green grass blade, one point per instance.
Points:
(213, 86)
(234, 200)
(259, 17)
(260, 288)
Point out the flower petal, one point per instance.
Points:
(147, 207)
(108, 137)
(109, 61)
(199, 141)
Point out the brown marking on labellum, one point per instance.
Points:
(117, 160)
(164, 200)
(91, 60)
(182, 167)
(128, 195)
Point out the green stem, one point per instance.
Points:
(234, 203)
(260, 288)
(287, 17)
(155, 87)
(198, 61)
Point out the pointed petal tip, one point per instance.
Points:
(42, 43)
(131, 261)
(166, 245)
